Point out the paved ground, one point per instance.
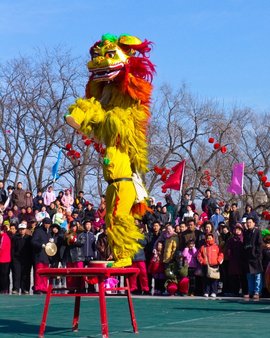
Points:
(157, 317)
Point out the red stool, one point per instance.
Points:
(101, 274)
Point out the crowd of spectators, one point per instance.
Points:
(179, 249)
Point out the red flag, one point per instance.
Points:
(175, 180)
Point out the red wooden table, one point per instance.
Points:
(101, 274)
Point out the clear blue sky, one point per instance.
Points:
(220, 48)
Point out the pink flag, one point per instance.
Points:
(175, 180)
(237, 182)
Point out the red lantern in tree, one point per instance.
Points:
(211, 140)
(223, 149)
(84, 137)
(260, 173)
(206, 172)
(69, 153)
(77, 154)
(210, 183)
(167, 171)
(157, 170)
(264, 178)
(216, 146)
(68, 146)
(87, 142)
(267, 184)
(163, 178)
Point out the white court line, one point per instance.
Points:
(178, 322)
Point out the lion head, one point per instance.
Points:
(120, 60)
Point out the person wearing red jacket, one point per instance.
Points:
(5, 259)
(210, 254)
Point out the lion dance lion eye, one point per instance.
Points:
(110, 54)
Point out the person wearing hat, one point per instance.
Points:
(21, 261)
(236, 268)
(40, 238)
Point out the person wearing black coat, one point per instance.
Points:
(3, 194)
(40, 238)
(253, 258)
(21, 252)
(89, 246)
(209, 203)
(74, 254)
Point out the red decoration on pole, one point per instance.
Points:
(216, 146)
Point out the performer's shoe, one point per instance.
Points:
(71, 122)
(123, 262)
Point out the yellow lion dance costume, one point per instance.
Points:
(116, 112)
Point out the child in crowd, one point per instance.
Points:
(210, 255)
(190, 254)
(156, 269)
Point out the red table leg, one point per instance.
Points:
(131, 308)
(76, 316)
(46, 308)
(102, 308)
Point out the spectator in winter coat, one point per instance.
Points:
(171, 208)
(171, 244)
(89, 212)
(104, 251)
(207, 228)
(188, 214)
(5, 259)
(253, 258)
(80, 200)
(138, 261)
(67, 200)
(185, 201)
(102, 207)
(216, 218)
(209, 203)
(3, 194)
(89, 246)
(236, 268)
(49, 196)
(234, 216)
(38, 201)
(249, 212)
(210, 254)
(190, 233)
(190, 254)
(74, 254)
(18, 196)
(40, 238)
(165, 216)
(28, 200)
(21, 261)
